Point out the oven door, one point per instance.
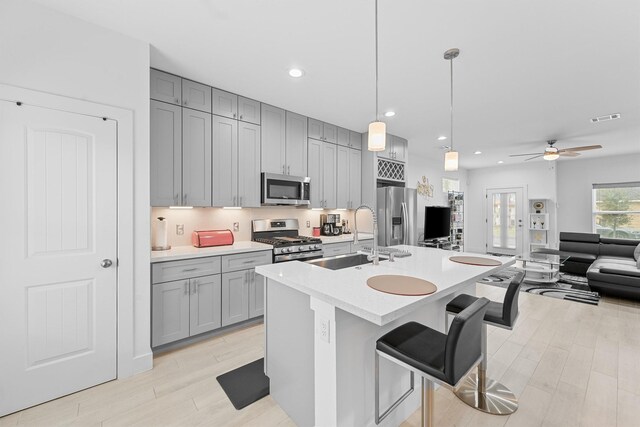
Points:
(285, 190)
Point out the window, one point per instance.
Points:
(616, 210)
(449, 184)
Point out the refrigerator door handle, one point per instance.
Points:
(405, 223)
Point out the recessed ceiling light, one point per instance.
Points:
(500, 162)
(477, 152)
(390, 114)
(442, 138)
(296, 72)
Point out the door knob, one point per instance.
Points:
(106, 263)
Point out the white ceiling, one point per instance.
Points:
(528, 71)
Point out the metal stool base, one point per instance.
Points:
(497, 399)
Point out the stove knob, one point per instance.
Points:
(316, 247)
(287, 250)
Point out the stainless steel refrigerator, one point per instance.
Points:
(397, 212)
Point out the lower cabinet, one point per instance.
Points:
(256, 295)
(183, 308)
(333, 249)
(242, 296)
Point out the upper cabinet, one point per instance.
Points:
(343, 137)
(322, 169)
(196, 96)
(273, 139)
(296, 144)
(395, 149)
(196, 158)
(166, 87)
(349, 178)
(248, 110)
(225, 104)
(323, 131)
(166, 154)
(355, 140)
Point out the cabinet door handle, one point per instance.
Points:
(234, 200)
(234, 115)
(283, 169)
(289, 170)
(190, 269)
(240, 116)
(184, 199)
(240, 203)
(185, 102)
(186, 287)
(177, 100)
(176, 199)
(249, 262)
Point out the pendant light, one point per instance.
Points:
(451, 156)
(377, 128)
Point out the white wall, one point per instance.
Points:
(432, 168)
(50, 52)
(538, 180)
(575, 180)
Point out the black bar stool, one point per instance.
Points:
(479, 391)
(445, 359)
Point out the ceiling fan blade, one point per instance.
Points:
(534, 157)
(529, 154)
(568, 154)
(583, 148)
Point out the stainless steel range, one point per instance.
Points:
(282, 234)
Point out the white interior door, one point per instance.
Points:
(504, 221)
(57, 302)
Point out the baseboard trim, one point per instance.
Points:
(142, 363)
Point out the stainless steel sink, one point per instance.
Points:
(342, 261)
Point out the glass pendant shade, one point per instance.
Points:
(551, 154)
(451, 161)
(377, 136)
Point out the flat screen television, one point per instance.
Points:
(437, 222)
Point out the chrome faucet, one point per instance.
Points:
(374, 253)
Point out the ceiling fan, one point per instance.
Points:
(552, 153)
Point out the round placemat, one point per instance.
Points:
(401, 285)
(475, 260)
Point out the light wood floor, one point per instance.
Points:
(570, 364)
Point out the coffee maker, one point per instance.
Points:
(330, 225)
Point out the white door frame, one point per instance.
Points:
(525, 198)
(125, 245)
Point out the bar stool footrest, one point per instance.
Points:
(496, 400)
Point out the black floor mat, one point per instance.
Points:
(246, 384)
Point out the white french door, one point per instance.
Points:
(58, 254)
(504, 221)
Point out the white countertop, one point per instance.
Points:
(347, 288)
(343, 238)
(185, 252)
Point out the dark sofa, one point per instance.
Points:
(609, 264)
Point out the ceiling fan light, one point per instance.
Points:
(551, 154)
(377, 136)
(451, 161)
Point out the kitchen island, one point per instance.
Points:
(321, 326)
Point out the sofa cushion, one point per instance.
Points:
(616, 249)
(595, 273)
(623, 242)
(615, 260)
(580, 247)
(579, 237)
(579, 257)
(621, 269)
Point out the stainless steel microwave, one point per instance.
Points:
(285, 190)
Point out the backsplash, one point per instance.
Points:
(218, 218)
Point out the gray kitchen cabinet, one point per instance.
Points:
(334, 249)
(322, 169)
(256, 295)
(322, 131)
(205, 303)
(245, 261)
(343, 137)
(185, 269)
(314, 171)
(248, 110)
(342, 191)
(235, 297)
(196, 158)
(355, 140)
(395, 149)
(248, 165)
(355, 178)
(166, 154)
(170, 312)
(225, 161)
(196, 96)
(296, 144)
(329, 172)
(273, 139)
(165, 87)
(224, 104)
